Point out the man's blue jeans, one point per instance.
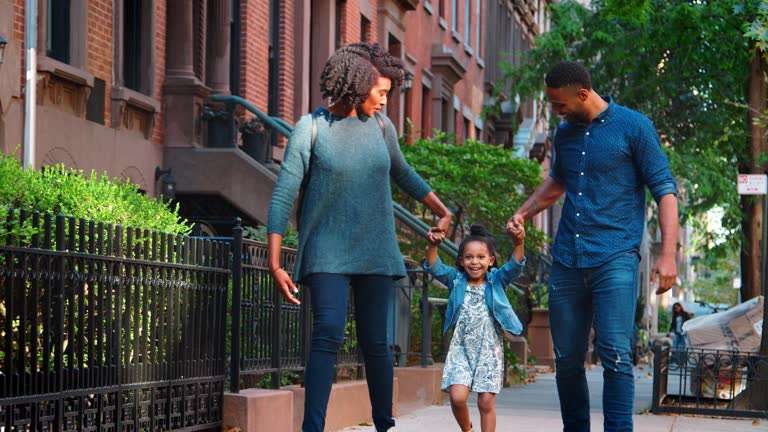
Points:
(609, 294)
(329, 294)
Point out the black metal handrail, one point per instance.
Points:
(275, 123)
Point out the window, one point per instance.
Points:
(273, 66)
(468, 22)
(426, 111)
(394, 108)
(365, 29)
(58, 30)
(467, 128)
(136, 45)
(454, 121)
(454, 6)
(234, 49)
(446, 111)
(478, 38)
(339, 22)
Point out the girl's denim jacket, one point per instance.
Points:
(495, 292)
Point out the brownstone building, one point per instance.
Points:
(123, 86)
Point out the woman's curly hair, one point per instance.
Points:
(351, 72)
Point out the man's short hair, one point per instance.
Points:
(567, 74)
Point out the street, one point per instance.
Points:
(534, 408)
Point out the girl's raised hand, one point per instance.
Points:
(436, 235)
(516, 231)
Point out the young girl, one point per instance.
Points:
(479, 310)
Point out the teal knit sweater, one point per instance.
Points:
(347, 220)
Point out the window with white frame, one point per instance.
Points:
(468, 22)
(478, 25)
(454, 17)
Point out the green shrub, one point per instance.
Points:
(665, 317)
(259, 233)
(515, 372)
(61, 190)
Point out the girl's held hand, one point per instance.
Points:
(286, 286)
(436, 235)
(516, 231)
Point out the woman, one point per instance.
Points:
(679, 316)
(345, 155)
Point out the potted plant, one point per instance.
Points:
(256, 140)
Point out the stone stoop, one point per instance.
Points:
(256, 410)
(348, 405)
(420, 387)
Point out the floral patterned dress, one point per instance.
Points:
(476, 357)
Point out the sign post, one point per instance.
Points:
(757, 184)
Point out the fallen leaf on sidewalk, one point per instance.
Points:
(756, 422)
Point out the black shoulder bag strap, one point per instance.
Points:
(305, 180)
(381, 123)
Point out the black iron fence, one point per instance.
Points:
(109, 328)
(269, 335)
(704, 382)
(120, 329)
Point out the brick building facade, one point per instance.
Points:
(123, 86)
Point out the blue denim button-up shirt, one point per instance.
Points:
(496, 299)
(605, 167)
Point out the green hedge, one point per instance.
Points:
(665, 317)
(61, 190)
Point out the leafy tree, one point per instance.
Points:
(484, 183)
(684, 64)
(696, 68)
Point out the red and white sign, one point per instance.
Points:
(753, 184)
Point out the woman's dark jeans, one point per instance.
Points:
(329, 294)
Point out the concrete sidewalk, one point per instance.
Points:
(534, 407)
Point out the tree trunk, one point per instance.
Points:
(755, 396)
(753, 211)
(750, 282)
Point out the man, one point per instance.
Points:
(605, 155)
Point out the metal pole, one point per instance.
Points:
(31, 84)
(426, 337)
(763, 275)
(237, 277)
(764, 253)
